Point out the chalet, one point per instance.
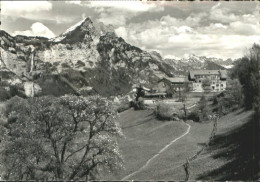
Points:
(208, 80)
(148, 93)
(174, 85)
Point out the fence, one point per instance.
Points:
(186, 165)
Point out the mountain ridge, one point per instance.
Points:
(89, 55)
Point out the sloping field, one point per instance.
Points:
(230, 157)
(211, 164)
(168, 166)
(145, 136)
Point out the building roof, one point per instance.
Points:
(222, 73)
(174, 79)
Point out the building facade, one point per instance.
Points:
(174, 86)
(208, 80)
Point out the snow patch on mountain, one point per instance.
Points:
(63, 35)
(73, 27)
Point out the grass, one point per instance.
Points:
(169, 165)
(231, 152)
(144, 137)
(164, 167)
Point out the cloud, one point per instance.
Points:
(118, 12)
(33, 10)
(222, 14)
(130, 6)
(121, 32)
(37, 29)
(22, 8)
(243, 28)
(175, 37)
(76, 2)
(192, 21)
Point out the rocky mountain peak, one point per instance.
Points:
(89, 54)
(85, 30)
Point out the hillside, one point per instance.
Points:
(144, 137)
(230, 157)
(219, 161)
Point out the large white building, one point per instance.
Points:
(208, 80)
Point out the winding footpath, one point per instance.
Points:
(156, 155)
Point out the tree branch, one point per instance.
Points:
(75, 152)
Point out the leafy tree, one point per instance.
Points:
(231, 99)
(247, 71)
(183, 97)
(60, 138)
(203, 108)
(206, 85)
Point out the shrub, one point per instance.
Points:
(14, 90)
(122, 107)
(11, 105)
(203, 109)
(65, 65)
(229, 100)
(4, 94)
(193, 116)
(139, 105)
(168, 112)
(164, 112)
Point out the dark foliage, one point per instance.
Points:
(8, 91)
(229, 100)
(194, 116)
(247, 71)
(139, 104)
(203, 109)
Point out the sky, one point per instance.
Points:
(174, 29)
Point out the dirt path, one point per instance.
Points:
(156, 155)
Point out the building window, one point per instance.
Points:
(221, 85)
(199, 81)
(213, 82)
(213, 87)
(217, 85)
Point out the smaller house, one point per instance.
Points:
(172, 84)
